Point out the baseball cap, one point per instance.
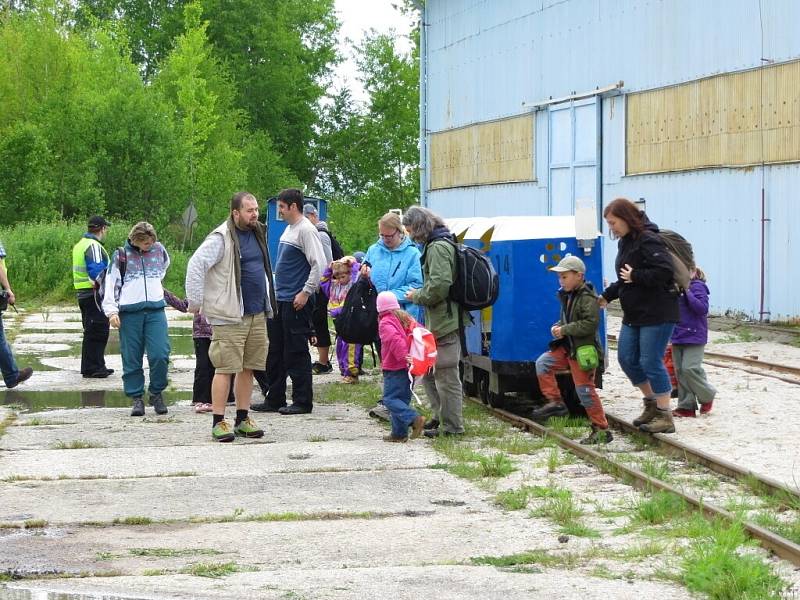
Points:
(98, 221)
(570, 263)
(309, 209)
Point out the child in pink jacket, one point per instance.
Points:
(394, 325)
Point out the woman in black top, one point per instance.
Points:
(645, 289)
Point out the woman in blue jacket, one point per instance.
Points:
(393, 263)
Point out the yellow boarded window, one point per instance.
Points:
(493, 152)
(731, 120)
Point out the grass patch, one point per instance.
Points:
(659, 508)
(578, 529)
(789, 528)
(497, 465)
(7, 422)
(39, 421)
(172, 552)
(714, 565)
(655, 467)
(513, 499)
(317, 438)
(465, 471)
(520, 443)
(365, 394)
(213, 570)
(571, 427)
(132, 521)
(560, 508)
(534, 557)
(35, 524)
(75, 445)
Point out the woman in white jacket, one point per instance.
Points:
(134, 303)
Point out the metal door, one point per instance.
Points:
(574, 144)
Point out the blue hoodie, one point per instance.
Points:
(397, 271)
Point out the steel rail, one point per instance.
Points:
(672, 447)
(785, 549)
(754, 362)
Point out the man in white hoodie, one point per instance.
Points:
(229, 280)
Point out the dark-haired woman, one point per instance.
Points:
(649, 309)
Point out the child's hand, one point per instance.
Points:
(409, 360)
(555, 330)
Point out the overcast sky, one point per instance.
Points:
(356, 17)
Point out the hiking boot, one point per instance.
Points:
(434, 433)
(157, 402)
(23, 375)
(662, 423)
(265, 407)
(417, 427)
(683, 412)
(432, 424)
(705, 407)
(648, 414)
(319, 369)
(379, 412)
(598, 436)
(395, 439)
(350, 379)
(138, 407)
(551, 409)
(248, 429)
(673, 393)
(221, 432)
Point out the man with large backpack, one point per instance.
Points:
(442, 318)
(89, 264)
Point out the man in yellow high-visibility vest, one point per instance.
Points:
(8, 366)
(89, 263)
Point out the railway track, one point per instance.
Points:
(778, 545)
(758, 367)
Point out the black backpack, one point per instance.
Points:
(336, 248)
(682, 257)
(358, 321)
(476, 283)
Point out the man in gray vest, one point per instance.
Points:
(229, 280)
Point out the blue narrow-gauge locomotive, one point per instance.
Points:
(504, 341)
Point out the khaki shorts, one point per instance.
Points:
(241, 346)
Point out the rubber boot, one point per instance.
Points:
(662, 423)
(648, 414)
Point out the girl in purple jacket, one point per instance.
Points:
(688, 345)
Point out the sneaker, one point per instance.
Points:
(683, 412)
(350, 379)
(598, 436)
(23, 375)
(705, 407)
(379, 412)
(248, 429)
(138, 407)
(417, 427)
(202, 407)
(221, 432)
(394, 439)
(319, 369)
(432, 424)
(157, 402)
(551, 409)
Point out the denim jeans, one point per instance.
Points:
(8, 365)
(640, 351)
(397, 398)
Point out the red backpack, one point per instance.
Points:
(422, 348)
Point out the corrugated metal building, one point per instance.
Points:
(691, 106)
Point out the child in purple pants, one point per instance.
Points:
(336, 281)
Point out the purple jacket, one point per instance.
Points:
(693, 326)
(200, 327)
